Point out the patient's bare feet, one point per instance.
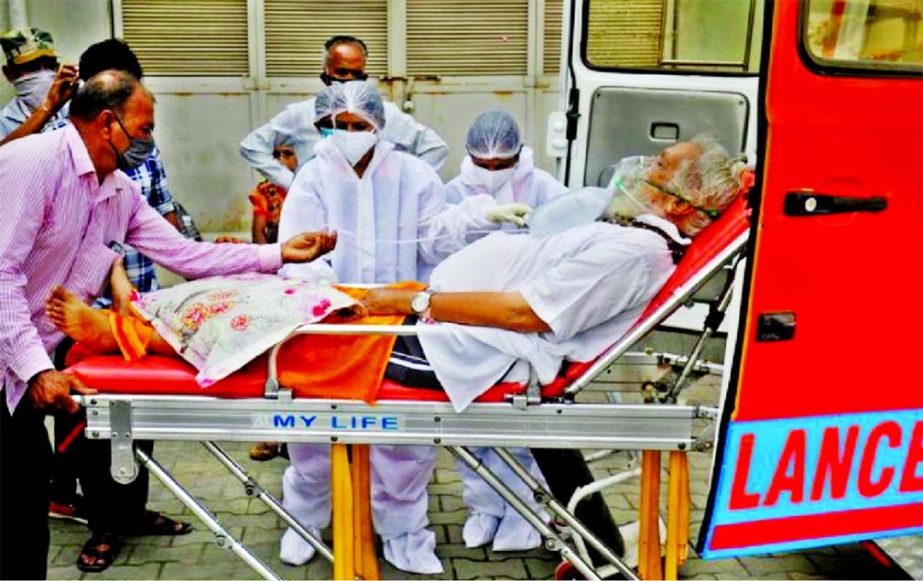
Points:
(79, 321)
(121, 288)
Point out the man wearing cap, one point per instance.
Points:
(43, 86)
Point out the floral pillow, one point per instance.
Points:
(220, 324)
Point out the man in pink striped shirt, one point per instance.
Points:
(64, 206)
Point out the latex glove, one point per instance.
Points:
(512, 213)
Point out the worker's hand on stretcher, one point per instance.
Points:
(512, 213)
(52, 390)
(308, 246)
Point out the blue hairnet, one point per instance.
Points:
(493, 135)
(356, 97)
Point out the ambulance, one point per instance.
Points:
(821, 437)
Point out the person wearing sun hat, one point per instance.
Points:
(43, 85)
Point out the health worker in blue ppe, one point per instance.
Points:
(345, 60)
(389, 213)
(498, 165)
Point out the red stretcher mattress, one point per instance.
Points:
(155, 375)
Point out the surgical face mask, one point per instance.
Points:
(326, 132)
(493, 181)
(354, 144)
(33, 87)
(139, 149)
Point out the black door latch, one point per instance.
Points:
(811, 204)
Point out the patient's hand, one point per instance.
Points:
(308, 246)
(388, 301)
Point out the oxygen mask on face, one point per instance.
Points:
(576, 208)
(627, 189)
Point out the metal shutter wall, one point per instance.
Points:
(625, 33)
(296, 32)
(551, 57)
(188, 38)
(467, 37)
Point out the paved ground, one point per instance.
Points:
(195, 556)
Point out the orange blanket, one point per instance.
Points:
(340, 366)
(317, 366)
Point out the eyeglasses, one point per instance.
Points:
(344, 77)
(145, 135)
(710, 212)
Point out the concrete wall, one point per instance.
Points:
(73, 23)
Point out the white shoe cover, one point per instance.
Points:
(414, 552)
(295, 550)
(479, 529)
(515, 534)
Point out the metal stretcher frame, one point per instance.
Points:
(522, 422)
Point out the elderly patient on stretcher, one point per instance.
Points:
(565, 295)
(501, 305)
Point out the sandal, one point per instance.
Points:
(100, 551)
(153, 523)
(265, 451)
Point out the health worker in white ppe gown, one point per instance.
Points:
(389, 212)
(500, 166)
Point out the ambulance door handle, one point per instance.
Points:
(808, 203)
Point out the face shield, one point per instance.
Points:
(632, 190)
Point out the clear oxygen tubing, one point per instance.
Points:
(349, 234)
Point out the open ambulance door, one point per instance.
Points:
(822, 436)
(640, 75)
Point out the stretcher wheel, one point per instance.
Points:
(565, 571)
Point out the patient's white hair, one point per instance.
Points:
(711, 181)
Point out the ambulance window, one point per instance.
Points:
(721, 36)
(884, 35)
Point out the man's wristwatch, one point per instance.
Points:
(419, 304)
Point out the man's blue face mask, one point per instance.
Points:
(326, 131)
(138, 151)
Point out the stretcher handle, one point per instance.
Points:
(71, 436)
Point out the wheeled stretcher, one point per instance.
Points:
(158, 398)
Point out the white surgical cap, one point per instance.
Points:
(356, 97)
(493, 135)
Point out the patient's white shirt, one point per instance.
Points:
(589, 284)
